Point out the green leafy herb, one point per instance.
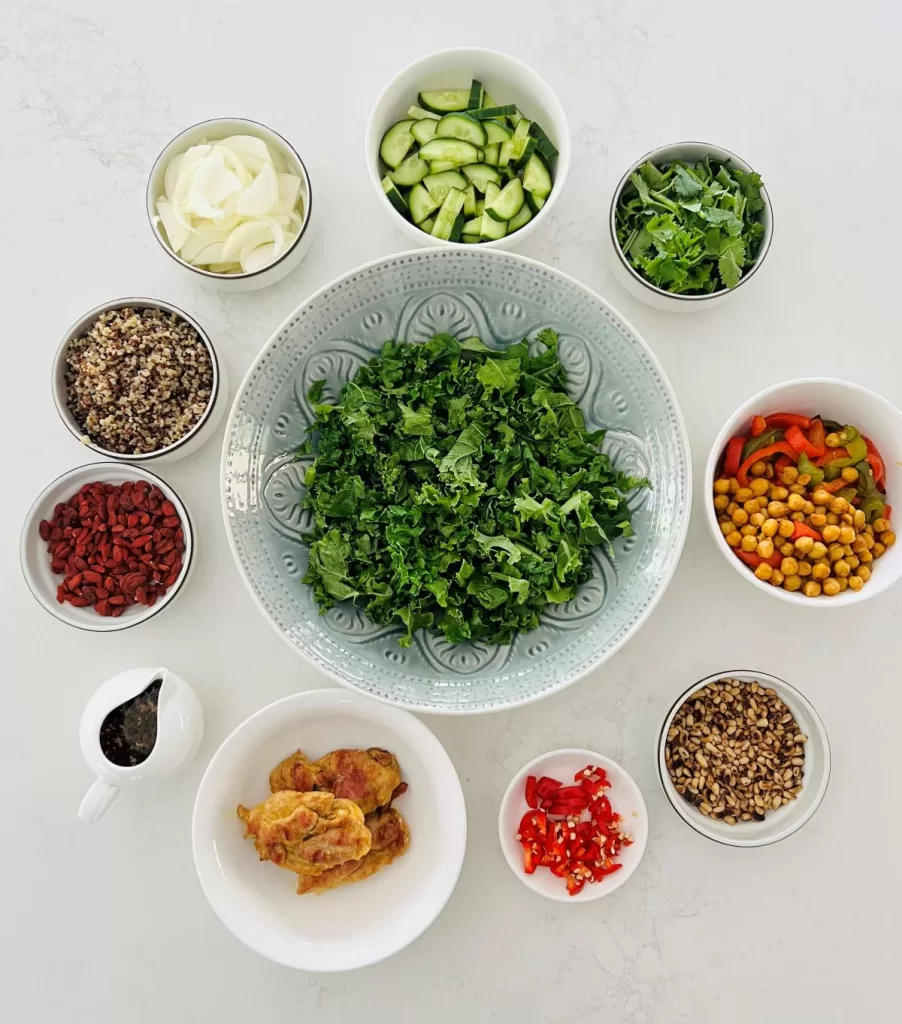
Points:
(456, 488)
(691, 229)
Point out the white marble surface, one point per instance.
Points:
(107, 923)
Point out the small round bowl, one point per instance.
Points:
(188, 443)
(626, 799)
(641, 288)
(838, 400)
(354, 925)
(211, 131)
(787, 819)
(35, 560)
(509, 81)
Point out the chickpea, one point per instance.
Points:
(789, 567)
(762, 502)
(734, 485)
(721, 502)
(821, 497)
(804, 479)
(881, 524)
(865, 557)
(846, 535)
(887, 538)
(734, 539)
(751, 505)
(786, 528)
(820, 571)
(740, 517)
(757, 519)
(817, 520)
(797, 517)
(846, 519)
(832, 588)
(797, 489)
(850, 474)
(812, 589)
(877, 550)
(731, 508)
(749, 543)
(832, 519)
(779, 493)
(795, 502)
(841, 568)
(758, 468)
(743, 494)
(818, 550)
(853, 560)
(748, 531)
(789, 475)
(839, 505)
(776, 509)
(726, 527)
(832, 440)
(769, 527)
(769, 470)
(864, 573)
(764, 571)
(792, 583)
(758, 487)
(808, 508)
(868, 529)
(786, 550)
(836, 553)
(846, 550)
(844, 583)
(722, 486)
(776, 578)
(804, 545)
(831, 532)
(855, 583)
(765, 548)
(869, 541)
(859, 518)
(805, 568)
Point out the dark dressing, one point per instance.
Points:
(129, 732)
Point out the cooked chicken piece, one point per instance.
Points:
(391, 838)
(368, 777)
(307, 833)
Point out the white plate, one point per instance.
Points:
(357, 924)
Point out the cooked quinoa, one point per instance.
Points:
(138, 380)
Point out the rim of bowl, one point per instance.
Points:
(58, 375)
(149, 200)
(612, 224)
(31, 520)
(593, 757)
(841, 600)
(689, 814)
(468, 710)
(560, 173)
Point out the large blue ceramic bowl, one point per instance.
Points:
(501, 298)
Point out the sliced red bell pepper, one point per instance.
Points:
(733, 456)
(778, 448)
(875, 460)
(817, 434)
(801, 443)
(788, 419)
(782, 463)
(546, 786)
(804, 530)
(532, 795)
(831, 455)
(833, 486)
(753, 559)
(759, 425)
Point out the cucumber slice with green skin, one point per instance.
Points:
(444, 101)
(439, 185)
(537, 177)
(456, 150)
(470, 200)
(427, 225)
(418, 113)
(495, 132)
(423, 130)
(508, 203)
(396, 143)
(481, 175)
(422, 204)
(460, 126)
(442, 166)
(515, 117)
(457, 230)
(505, 153)
(521, 134)
(534, 202)
(480, 207)
(476, 94)
(473, 227)
(523, 217)
(492, 153)
(470, 239)
(408, 173)
(487, 100)
(485, 113)
(528, 151)
(490, 230)
(394, 196)
(544, 145)
(445, 218)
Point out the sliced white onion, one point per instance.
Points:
(257, 259)
(248, 235)
(176, 233)
(253, 153)
(289, 187)
(262, 195)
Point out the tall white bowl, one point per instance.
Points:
(838, 400)
(509, 81)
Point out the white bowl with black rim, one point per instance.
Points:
(189, 442)
(639, 286)
(285, 158)
(777, 824)
(35, 558)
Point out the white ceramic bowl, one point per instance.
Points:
(357, 924)
(35, 560)
(837, 400)
(509, 81)
(626, 800)
(288, 160)
(189, 443)
(787, 819)
(642, 289)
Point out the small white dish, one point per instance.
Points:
(288, 160)
(354, 925)
(838, 400)
(508, 81)
(641, 288)
(189, 443)
(787, 819)
(626, 799)
(180, 728)
(35, 559)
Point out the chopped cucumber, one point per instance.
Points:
(495, 132)
(438, 185)
(505, 153)
(470, 239)
(492, 153)
(444, 101)
(394, 196)
(457, 229)
(396, 143)
(418, 113)
(470, 200)
(486, 112)
(427, 225)
(508, 203)
(537, 177)
(456, 150)
(523, 217)
(480, 174)
(422, 203)
(447, 216)
(460, 126)
(423, 130)
(528, 151)
(440, 166)
(408, 173)
(476, 95)
(544, 145)
(534, 202)
(480, 207)
(521, 134)
(473, 227)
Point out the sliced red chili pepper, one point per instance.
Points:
(788, 419)
(531, 860)
(564, 810)
(592, 787)
(574, 884)
(532, 796)
(546, 786)
(590, 771)
(801, 443)
(733, 456)
(601, 810)
(804, 530)
(533, 825)
(777, 448)
(608, 868)
(759, 425)
(570, 791)
(817, 434)
(560, 870)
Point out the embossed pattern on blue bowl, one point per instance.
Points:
(500, 297)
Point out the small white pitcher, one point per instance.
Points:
(180, 728)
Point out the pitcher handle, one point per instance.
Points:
(97, 800)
